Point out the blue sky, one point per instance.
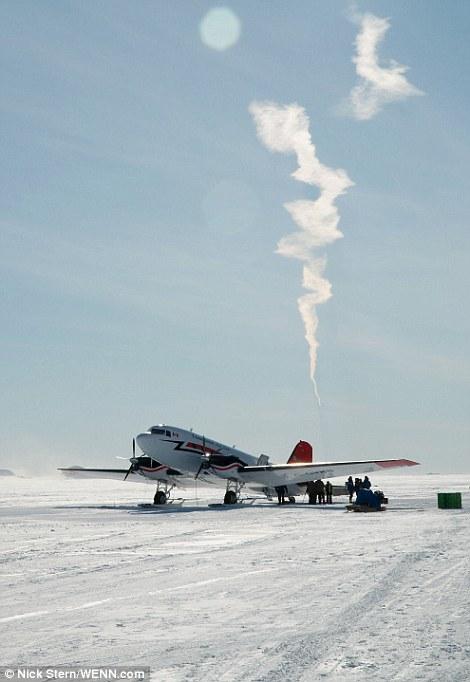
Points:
(140, 216)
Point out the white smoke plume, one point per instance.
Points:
(378, 85)
(286, 129)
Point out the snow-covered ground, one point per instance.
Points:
(256, 593)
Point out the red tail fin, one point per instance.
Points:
(301, 454)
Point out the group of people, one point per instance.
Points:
(317, 490)
(356, 485)
(322, 493)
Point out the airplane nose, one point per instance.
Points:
(142, 440)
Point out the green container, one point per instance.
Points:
(449, 500)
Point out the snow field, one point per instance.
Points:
(257, 593)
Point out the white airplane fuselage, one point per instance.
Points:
(185, 450)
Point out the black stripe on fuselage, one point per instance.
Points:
(226, 460)
(180, 446)
(215, 458)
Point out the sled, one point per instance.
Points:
(245, 502)
(363, 508)
(173, 502)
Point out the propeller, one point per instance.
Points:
(133, 462)
(205, 459)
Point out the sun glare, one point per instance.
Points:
(220, 28)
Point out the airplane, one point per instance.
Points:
(173, 456)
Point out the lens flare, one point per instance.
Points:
(220, 28)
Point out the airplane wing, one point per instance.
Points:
(143, 474)
(284, 474)
(116, 474)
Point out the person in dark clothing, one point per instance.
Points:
(329, 492)
(357, 484)
(312, 492)
(281, 493)
(321, 491)
(350, 488)
(366, 483)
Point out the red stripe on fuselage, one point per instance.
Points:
(201, 448)
(219, 467)
(160, 468)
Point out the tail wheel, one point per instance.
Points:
(230, 497)
(160, 497)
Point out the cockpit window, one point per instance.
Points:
(156, 431)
